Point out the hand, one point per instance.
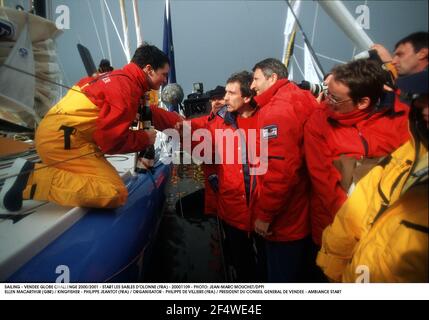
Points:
(151, 135)
(382, 52)
(321, 97)
(261, 228)
(145, 163)
(179, 126)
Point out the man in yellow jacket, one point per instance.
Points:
(381, 233)
(91, 120)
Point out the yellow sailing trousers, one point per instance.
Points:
(73, 171)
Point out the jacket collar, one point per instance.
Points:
(266, 96)
(137, 75)
(229, 118)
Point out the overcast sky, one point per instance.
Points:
(213, 39)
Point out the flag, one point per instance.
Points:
(168, 47)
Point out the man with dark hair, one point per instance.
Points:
(345, 138)
(104, 66)
(93, 119)
(380, 234)
(233, 182)
(151, 55)
(268, 72)
(216, 98)
(280, 204)
(410, 55)
(217, 101)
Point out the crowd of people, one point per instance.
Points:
(343, 196)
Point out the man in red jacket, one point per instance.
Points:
(93, 119)
(280, 205)
(229, 132)
(357, 125)
(217, 101)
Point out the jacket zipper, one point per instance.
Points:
(364, 142)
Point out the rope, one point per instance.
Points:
(50, 165)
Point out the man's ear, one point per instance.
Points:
(423, 54)
(275, 77)
(147, 68)
(364, 103)
(247, 100)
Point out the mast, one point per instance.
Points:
(137, 23)
(290, 32)
(125, 30)
(346, 22)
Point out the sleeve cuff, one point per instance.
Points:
(332, 266)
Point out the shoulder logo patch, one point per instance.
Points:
(270, 132)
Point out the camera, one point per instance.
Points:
(196, 102)
(314, 88)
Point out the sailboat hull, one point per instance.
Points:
(105, 245)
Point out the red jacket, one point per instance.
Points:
(118, 95)
(282, 196)
(234, 180)
(210, 197)
(373, 136)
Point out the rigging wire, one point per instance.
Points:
(116, 29)
(106, 33)
(323, 56)
(299, 68)
(91, 13)
(307, 42)
(316, 15)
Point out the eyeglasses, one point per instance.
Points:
(334, 101)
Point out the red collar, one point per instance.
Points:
(137, 75)
(266, 96)
(349, 119)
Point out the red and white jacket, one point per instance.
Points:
(117, 95)
(359, 134)
(282, 195)
(234, 180)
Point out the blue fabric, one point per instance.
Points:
(172, 108)
(288, 261)
(168, 47)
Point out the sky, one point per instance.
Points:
(214, 38)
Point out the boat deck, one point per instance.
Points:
(25, 233)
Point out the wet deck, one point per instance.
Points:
(187, 247)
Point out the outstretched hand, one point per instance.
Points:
(151, 134)
(261, 228)
(382, 52)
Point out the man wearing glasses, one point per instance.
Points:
(343, 140)
(380, 234)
